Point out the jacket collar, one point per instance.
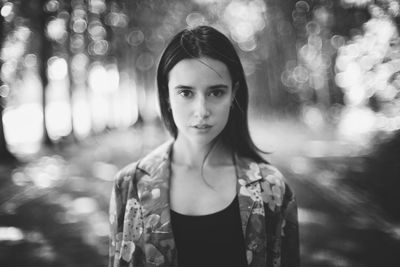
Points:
(153, 192)
(159, 156)
(157, 168)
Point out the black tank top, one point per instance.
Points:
(212, 240)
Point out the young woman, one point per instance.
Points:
(205, 198)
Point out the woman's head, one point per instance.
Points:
(201, 83)
(200, 95)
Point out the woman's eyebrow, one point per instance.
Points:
(216, 86)
(183, 87)
(219, 86)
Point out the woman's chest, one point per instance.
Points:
(195, 193)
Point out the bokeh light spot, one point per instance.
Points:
(77, 43)
(195, 19)
(337, 41)
(57, 68)
(302, 6)
(313, 28)
(4, 90)
(135, 37)
(6, 10)
(11, 234)
(23, 127)
(248, 45)
(58, 116)
(84, 205)
(52, 6)
(300, 74)
(117, 19)
(96, 30)
(99, 47)
(97, 6)
(30, 61)
(104, 171)
(145, 61)
(56, 29)
(79, 25)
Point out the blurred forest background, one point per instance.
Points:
(78, 102)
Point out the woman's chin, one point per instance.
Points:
(202, 138)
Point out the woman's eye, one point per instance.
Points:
(186, 93)
(217, 93)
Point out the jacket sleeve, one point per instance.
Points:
(118, 200)
(290, 231)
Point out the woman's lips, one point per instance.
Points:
(202, 126)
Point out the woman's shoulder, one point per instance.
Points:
(147, 163)
(125, 174)
(274, 176)
(264, 170)
(276, 179)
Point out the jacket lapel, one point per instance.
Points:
(153, 192)
(251, 210)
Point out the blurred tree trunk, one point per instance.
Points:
(132, 53)
(44, 54)
(5, 154)
(271, 95)
(72, 84)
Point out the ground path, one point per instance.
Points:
(53, 209)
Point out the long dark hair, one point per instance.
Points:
(205, 41)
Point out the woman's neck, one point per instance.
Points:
(195, 155)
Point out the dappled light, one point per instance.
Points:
(79, 101)
(56, 30)
(23, 131)
(81, 113)
(312, 217)
(58, 119)
(10, 234)
(244, 20)
(57, 69)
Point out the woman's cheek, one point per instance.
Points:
(180, 113)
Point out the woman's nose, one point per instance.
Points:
(201, 110)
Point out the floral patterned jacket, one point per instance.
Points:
(141, 233)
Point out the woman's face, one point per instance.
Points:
(200, 94)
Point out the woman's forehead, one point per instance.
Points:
(205, 70)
